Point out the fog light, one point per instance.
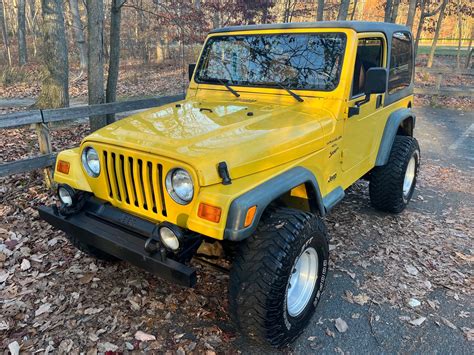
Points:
(171, 236)
(66, 195)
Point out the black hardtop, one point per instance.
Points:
(358, 26)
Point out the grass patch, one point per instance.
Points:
(12, 75)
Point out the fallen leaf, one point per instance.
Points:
(44, 308)
(361, 299)
(86, 278)
(330, 333)
(413, 302)
(418, 321)
(25, 265)
(411, 270)
(14, 348)
(341, 325)
(448, 323)
(141, 336)
(106, 347)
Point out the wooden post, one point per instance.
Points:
(44, 141)
(439, 78)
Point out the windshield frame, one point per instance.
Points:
(343, 35)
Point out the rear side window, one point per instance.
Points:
(401, 62)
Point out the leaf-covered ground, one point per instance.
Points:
(53, 297)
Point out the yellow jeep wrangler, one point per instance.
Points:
(277, 122)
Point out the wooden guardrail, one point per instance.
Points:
(41, 118)
(440, 90)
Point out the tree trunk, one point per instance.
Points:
(354, 8)
(320, 15)
(388, 11)
(429, 64)
(95, 67)
(33, 24)
(458, 56)
(469, 49)
(78, 33)
(22, 55)
(411, 13)
(343, 10)
(394, 12)
(3, 28)
(114, 60)
(54, 88)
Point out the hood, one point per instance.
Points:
(249, 137)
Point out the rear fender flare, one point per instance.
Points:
(394, 121)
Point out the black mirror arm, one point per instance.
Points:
(355, 110)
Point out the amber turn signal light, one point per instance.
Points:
(63, 167)
(250, 215)
(211, 213)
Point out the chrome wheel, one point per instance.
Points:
(302, 282)
(409, 176)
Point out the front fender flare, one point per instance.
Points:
(262, 195)
(391, 128)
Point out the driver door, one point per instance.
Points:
(363, 118)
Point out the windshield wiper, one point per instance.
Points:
(222, 82)
(296, 96)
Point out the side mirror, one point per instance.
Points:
(191, 68)
(376, 81)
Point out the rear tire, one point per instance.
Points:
(264, 305)
(90, 250)
(392, 185)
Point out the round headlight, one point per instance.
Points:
(90, 161)
(180, 186)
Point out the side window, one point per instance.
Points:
(369, 55)
(401, 62)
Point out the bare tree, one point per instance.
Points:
(424, 14)
(388, 11)
(469, 49)
(458, 56)
(54, 88)
(114, 60)
(78, 33)
(320, 14)
(3, 28)
(95, 67)
(32, 22)
(411, 13)
(22, 52)
(343, 10)
(394, 11)
(429, 64)
(354, 8)
(391, 10)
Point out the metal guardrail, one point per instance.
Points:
(41, 118)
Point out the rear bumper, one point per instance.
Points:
(121, 235)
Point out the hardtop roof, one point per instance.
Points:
(358, 26)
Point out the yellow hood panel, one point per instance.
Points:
(248, 137)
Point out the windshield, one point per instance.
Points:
(296, 61)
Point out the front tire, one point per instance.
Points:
(277, 277)
(392, 185)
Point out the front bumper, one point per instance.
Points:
(121, 235)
